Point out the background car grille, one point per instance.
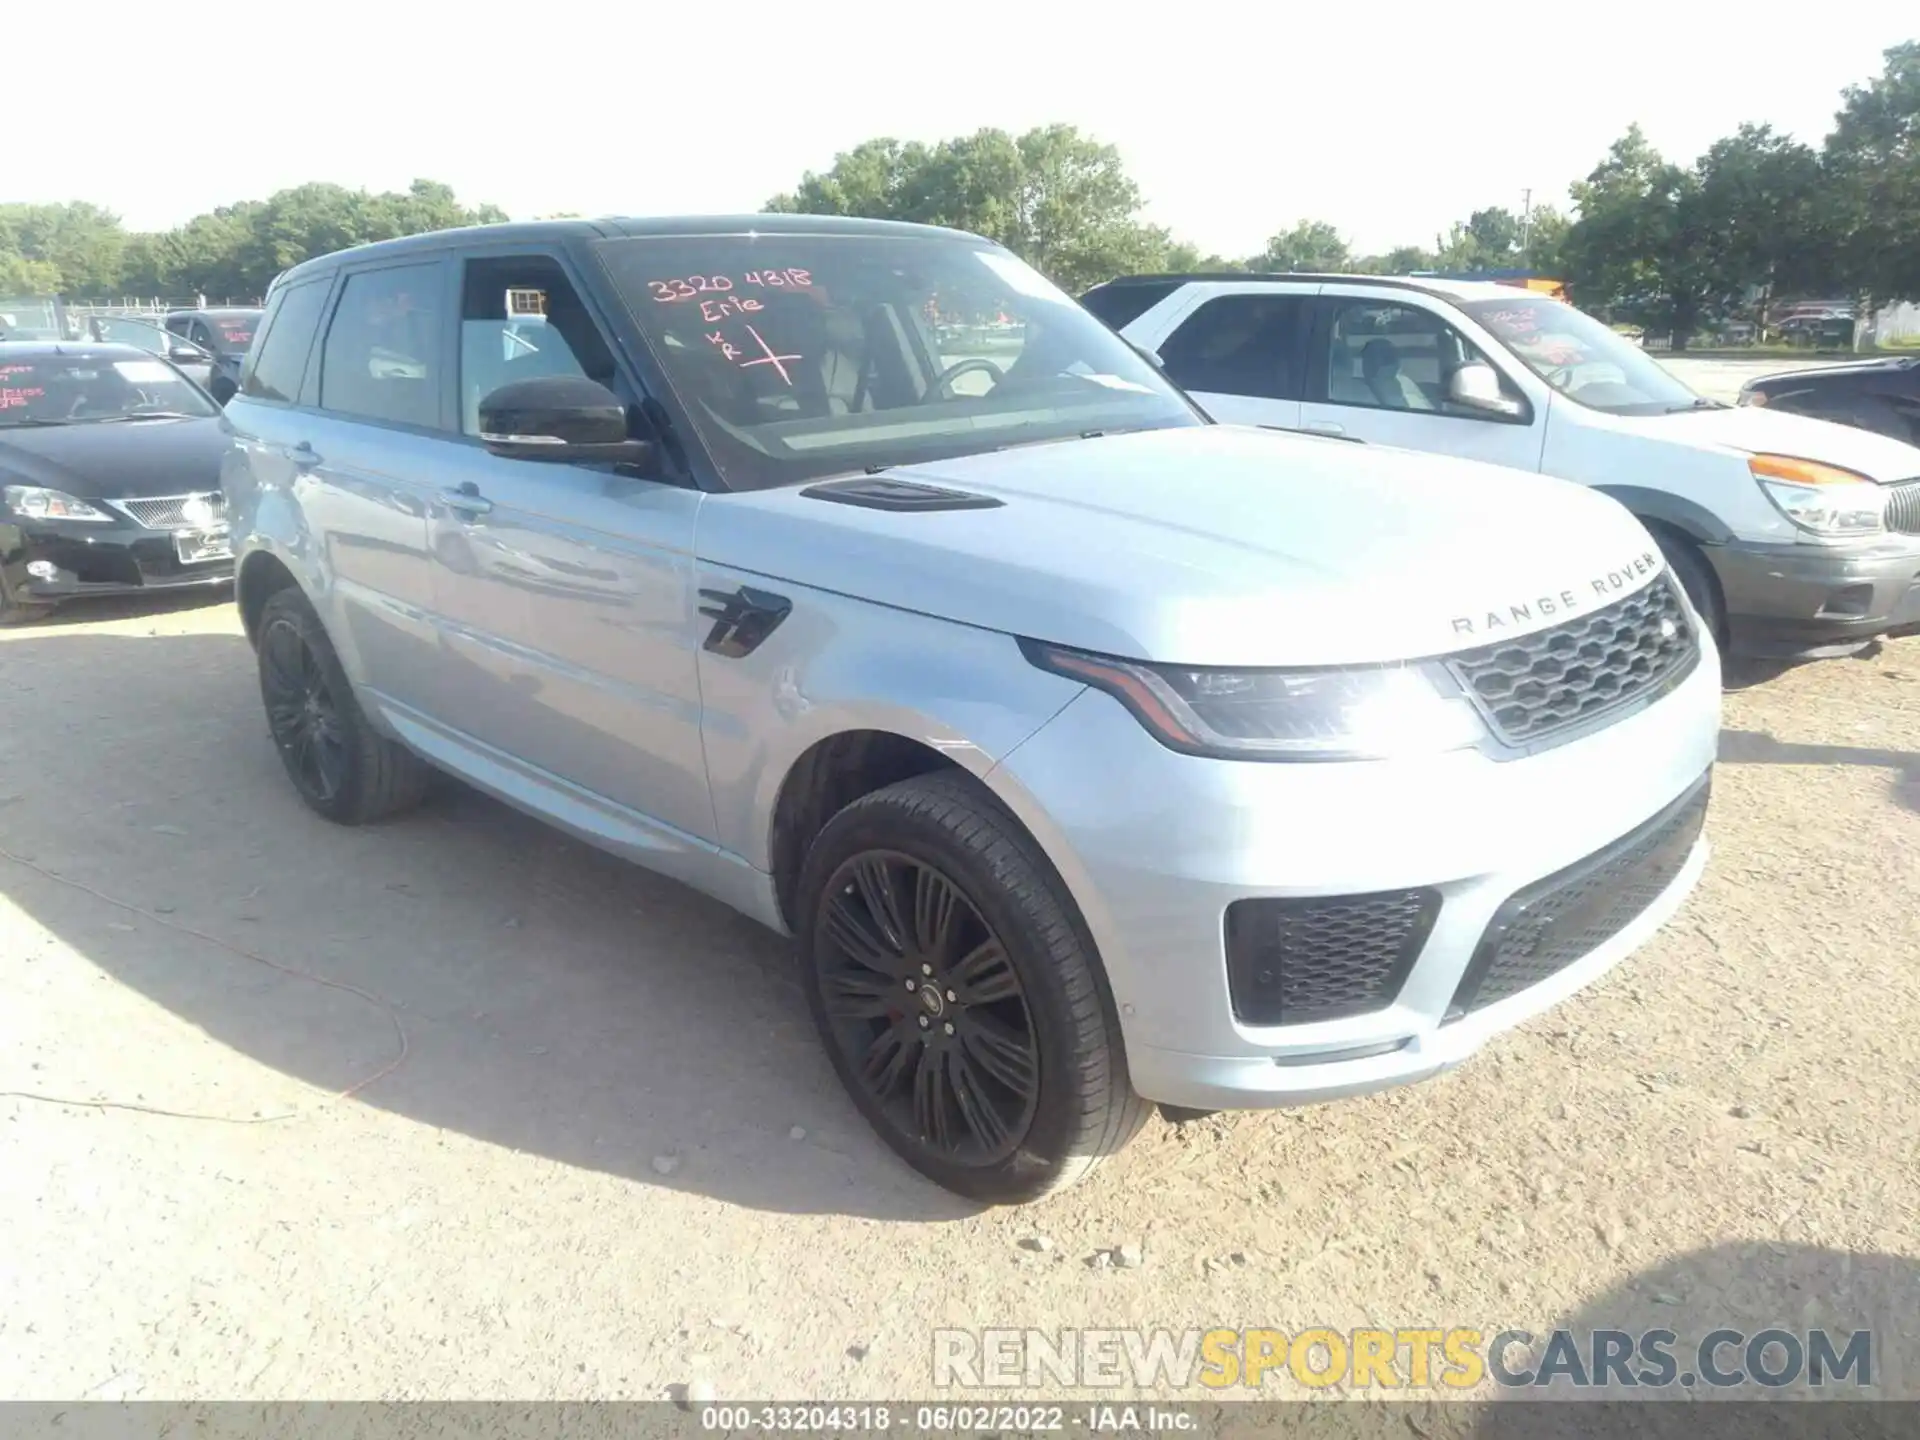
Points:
(1325, 956)
(1903, 507)
(170, 513)
(1554, 922)
(1537, 686)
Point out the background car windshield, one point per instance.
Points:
(1581, 358)
(88, 389)
(801, 356)
(120, 331)
(232, 334)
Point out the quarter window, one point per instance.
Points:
(1239, 345)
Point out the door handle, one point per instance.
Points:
(466, 499)
(1324, 427)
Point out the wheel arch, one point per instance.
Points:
(1686, 518)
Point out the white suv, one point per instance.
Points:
(1794, 537)
(851, 573)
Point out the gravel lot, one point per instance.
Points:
(594, 1151)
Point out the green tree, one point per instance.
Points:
(80, 243)
(1311, 246)
(1060, 200)
(1872, 170)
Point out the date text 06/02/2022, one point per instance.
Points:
(960, 1419)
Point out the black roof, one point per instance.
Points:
(81, 349)
(545, 232)
(1237, 277)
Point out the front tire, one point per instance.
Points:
(956, 995)
(1696, 577)
(340, 765)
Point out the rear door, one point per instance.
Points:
(1377, 369)
(565, 591)
(1241, 355)
(365, 446)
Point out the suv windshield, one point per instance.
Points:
(799, 356)
(1583, 359)
(92, 389)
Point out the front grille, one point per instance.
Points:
(170, 512)
(1325, 956)
(1903, 507)
(1554, 922)
(1536, 687)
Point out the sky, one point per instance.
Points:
(1236, 120)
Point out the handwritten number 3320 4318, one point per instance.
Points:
(691, 287)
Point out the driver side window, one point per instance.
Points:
(1388, 356)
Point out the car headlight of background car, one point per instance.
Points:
(1357, 713)
(36, 503)
(1821, 499)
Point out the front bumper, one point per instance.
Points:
(1154, 847)
(46, 561)
(1805, 601)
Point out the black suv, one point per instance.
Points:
(1878, 395)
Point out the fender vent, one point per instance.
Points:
(876, 493)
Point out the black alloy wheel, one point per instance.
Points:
(342, 767)
(926, 1008)
(958, 993)
(303, 713)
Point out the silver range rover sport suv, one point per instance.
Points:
(1093, 754)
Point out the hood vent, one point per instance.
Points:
(874, 492)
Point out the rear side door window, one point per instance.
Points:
(383, 358)
(278, 363)
(1241, 357)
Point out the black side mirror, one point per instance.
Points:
(559, 417)
(185, 354)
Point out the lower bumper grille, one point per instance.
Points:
(1322, 957)
(1567, 916)
(1903, 507)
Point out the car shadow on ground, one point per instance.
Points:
(1748, 1287)
(1750, 747)
(554, 1000)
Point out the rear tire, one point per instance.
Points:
(958, 999)
(340, 765)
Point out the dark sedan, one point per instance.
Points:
(109, 477)
(224, 334)
(1878, 395)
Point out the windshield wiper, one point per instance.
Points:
(1699, 402)
(26, 420)
(147, 415)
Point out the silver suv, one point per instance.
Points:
(1094, 754)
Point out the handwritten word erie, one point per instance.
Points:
(691, 287)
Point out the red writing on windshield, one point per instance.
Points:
(713, 311)
(19, 399)
(692, 287)
(759, 353)
(237, 337)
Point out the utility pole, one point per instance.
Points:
(1526, 226)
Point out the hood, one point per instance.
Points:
(1211, 545)
(1754, 430)
(113, 462)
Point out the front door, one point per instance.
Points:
(564, 592)
(1378, 369)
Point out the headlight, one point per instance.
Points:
(1823, 499)
(38, 504)
(1361, 713)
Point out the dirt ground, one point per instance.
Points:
(593, 1149)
